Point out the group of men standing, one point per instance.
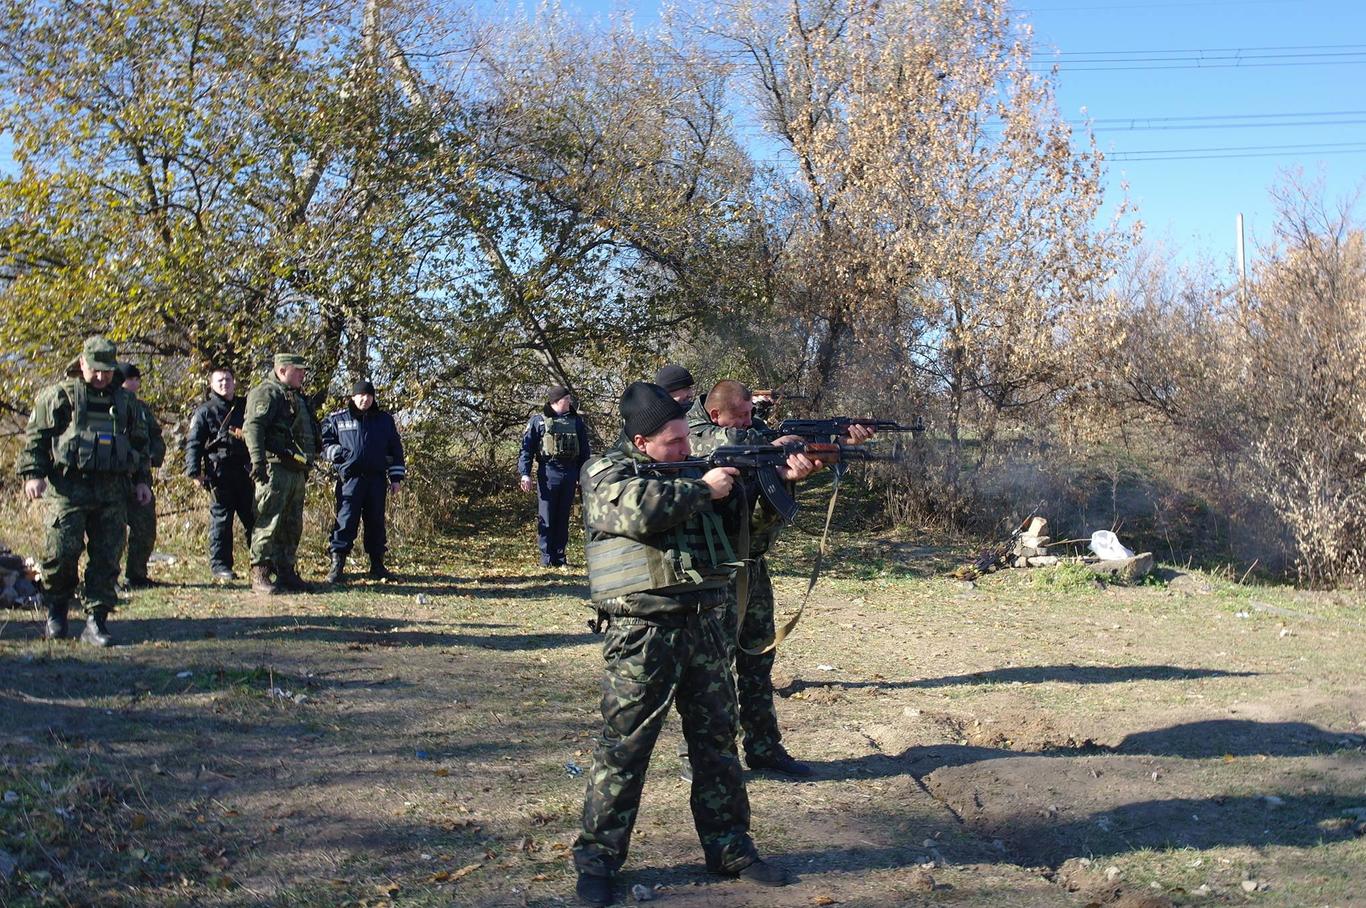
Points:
(91, 445)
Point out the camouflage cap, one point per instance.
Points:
(100, 353)
(290, 359)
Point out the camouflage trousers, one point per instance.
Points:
(754, 674)
(88, 514)
(648, 666)
(279, 517)
(142, 537)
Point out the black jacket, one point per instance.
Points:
(214, 446)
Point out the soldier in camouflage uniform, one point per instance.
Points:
(283, 442)
(87, 451)
(658, 566)
(142, 519)
(724, 416)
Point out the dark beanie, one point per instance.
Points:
(128, 370)
(645, 408)
(555, 393)
(673, 377)
(364, 386)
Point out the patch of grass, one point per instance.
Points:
(1066, 577)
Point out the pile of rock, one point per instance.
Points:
(20, 585)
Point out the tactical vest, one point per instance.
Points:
(96, 439)
(694, 555)
(560, 438)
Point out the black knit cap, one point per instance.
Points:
(645, 408)
(673, 377)
(555, 393)
(129, 370)
(364, 386)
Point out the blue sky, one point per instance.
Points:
(1200, 106)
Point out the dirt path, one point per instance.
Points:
(420, 744)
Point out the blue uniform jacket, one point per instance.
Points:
(531, 445)
(363, 444)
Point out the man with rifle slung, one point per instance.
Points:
(659, 567)
(719, 421)
(216, 458)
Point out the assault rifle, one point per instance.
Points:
(764, 461)
(838, 426)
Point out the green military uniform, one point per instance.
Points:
(658, 565)
(282, 441)
(753, 674)
(89, 446)
(142, 519)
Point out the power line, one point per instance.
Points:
(1201, 117)
(1213, 151)
(1114, 6)
(1224, 157)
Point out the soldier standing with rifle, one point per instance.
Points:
(658, 575)
(216, 458)
(86, 447)
(142, 518)
(282, 440)
(724, 416)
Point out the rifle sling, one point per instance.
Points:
(742, 597)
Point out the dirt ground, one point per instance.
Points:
(1025, 740)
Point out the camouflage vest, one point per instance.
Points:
(96, 439)
(694, 555)
(560, 438)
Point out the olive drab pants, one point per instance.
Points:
(754, 674)
(86, 514)
(648, 666)
(279, 517)
(142, 537)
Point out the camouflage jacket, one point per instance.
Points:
(668, 513)
(279, 427)
(156, 443)
(52, 415)
(705, 437)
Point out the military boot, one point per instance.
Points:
(289, 579)
(57, 628)
(260, 580)
(95, 632)
(378, 571)
(593, 889)
(338, 565)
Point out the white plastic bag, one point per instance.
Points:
(1107, 545)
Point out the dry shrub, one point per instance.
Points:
(1259, 392)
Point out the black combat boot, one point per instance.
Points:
(142, 583)
(287, 578)
(593, 889)
(261, 582)
(779, 761)
(95, 632)
(56, 621)
(378, 571)
(338, 565)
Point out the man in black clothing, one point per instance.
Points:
(216, 458)
(362, 441)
